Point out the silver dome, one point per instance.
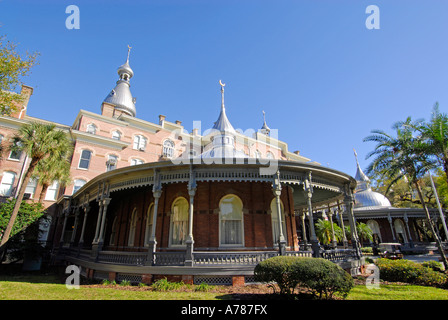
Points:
(121, 96)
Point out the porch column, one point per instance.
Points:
(308, 190)
(86, 213)
(75, 227)
(330, 215)
(106, 203)
(156, 192)
(406, 220)
(64, 224)
(98, 221)
(349, 200)
(341, 220)
(277, 190)
(302, 216)
(189, 258)
(389, 218)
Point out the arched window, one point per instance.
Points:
(275, 224)
(78, 183)
(375, 227)
(179, 222)
(149, 218)
(116, 135)
(168, 148)
(7, 183)
(270, 155)
(84, 160)
(133, 228)
(400, 231)
(111, 163)
(231, 221)
(31, 188)
(135, 162)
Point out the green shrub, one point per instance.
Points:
(203, 287)
(165, 285)
(278, 270)
(324, 278)
(434, 265)
(410, 272)
(125, 283)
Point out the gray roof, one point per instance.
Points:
(121, 96)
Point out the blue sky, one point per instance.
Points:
(324, 79)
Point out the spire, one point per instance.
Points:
(223, 124)
(121, 96)
(362, 180)
(224, 136)
(265, 129)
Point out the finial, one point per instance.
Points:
(356, 155)
(222, 93)
(129, 50)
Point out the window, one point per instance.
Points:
(111, 162)
(135, 162)
(7, 183)
(168, 149)
(133, 227)
(31, 188)
(52, 191)
(274, 220)
(231, 220)
(116, 135)
(91, 128)
(78, 184)
(140, 142)
(15, 154)
(84, 161)
(179, 222)
(149, 218)
(270, 155)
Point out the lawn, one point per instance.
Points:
(38, 287)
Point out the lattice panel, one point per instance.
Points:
(213, 280)
(133, 278)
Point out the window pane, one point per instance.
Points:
(85, 159)
(7, 183)
(179, 222)
(231, 220)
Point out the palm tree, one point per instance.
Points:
(364, 232)
(324, 231)
(49, 170)
(40, 142)
(402, 157)
(435, 137)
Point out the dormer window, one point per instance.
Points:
(91, 128)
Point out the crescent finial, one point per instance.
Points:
(222, 84)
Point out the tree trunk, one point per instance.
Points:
(19, 199)
(42, 192)
(433, 230)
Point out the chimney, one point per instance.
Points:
(161, 119)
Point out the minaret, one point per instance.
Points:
(224, 136)
(363, 181)
(121, 96)
(265, 129)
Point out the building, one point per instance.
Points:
(150, 199)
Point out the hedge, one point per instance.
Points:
(411, 272)
(324, 278)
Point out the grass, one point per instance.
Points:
(397, 292)
(49, 287)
